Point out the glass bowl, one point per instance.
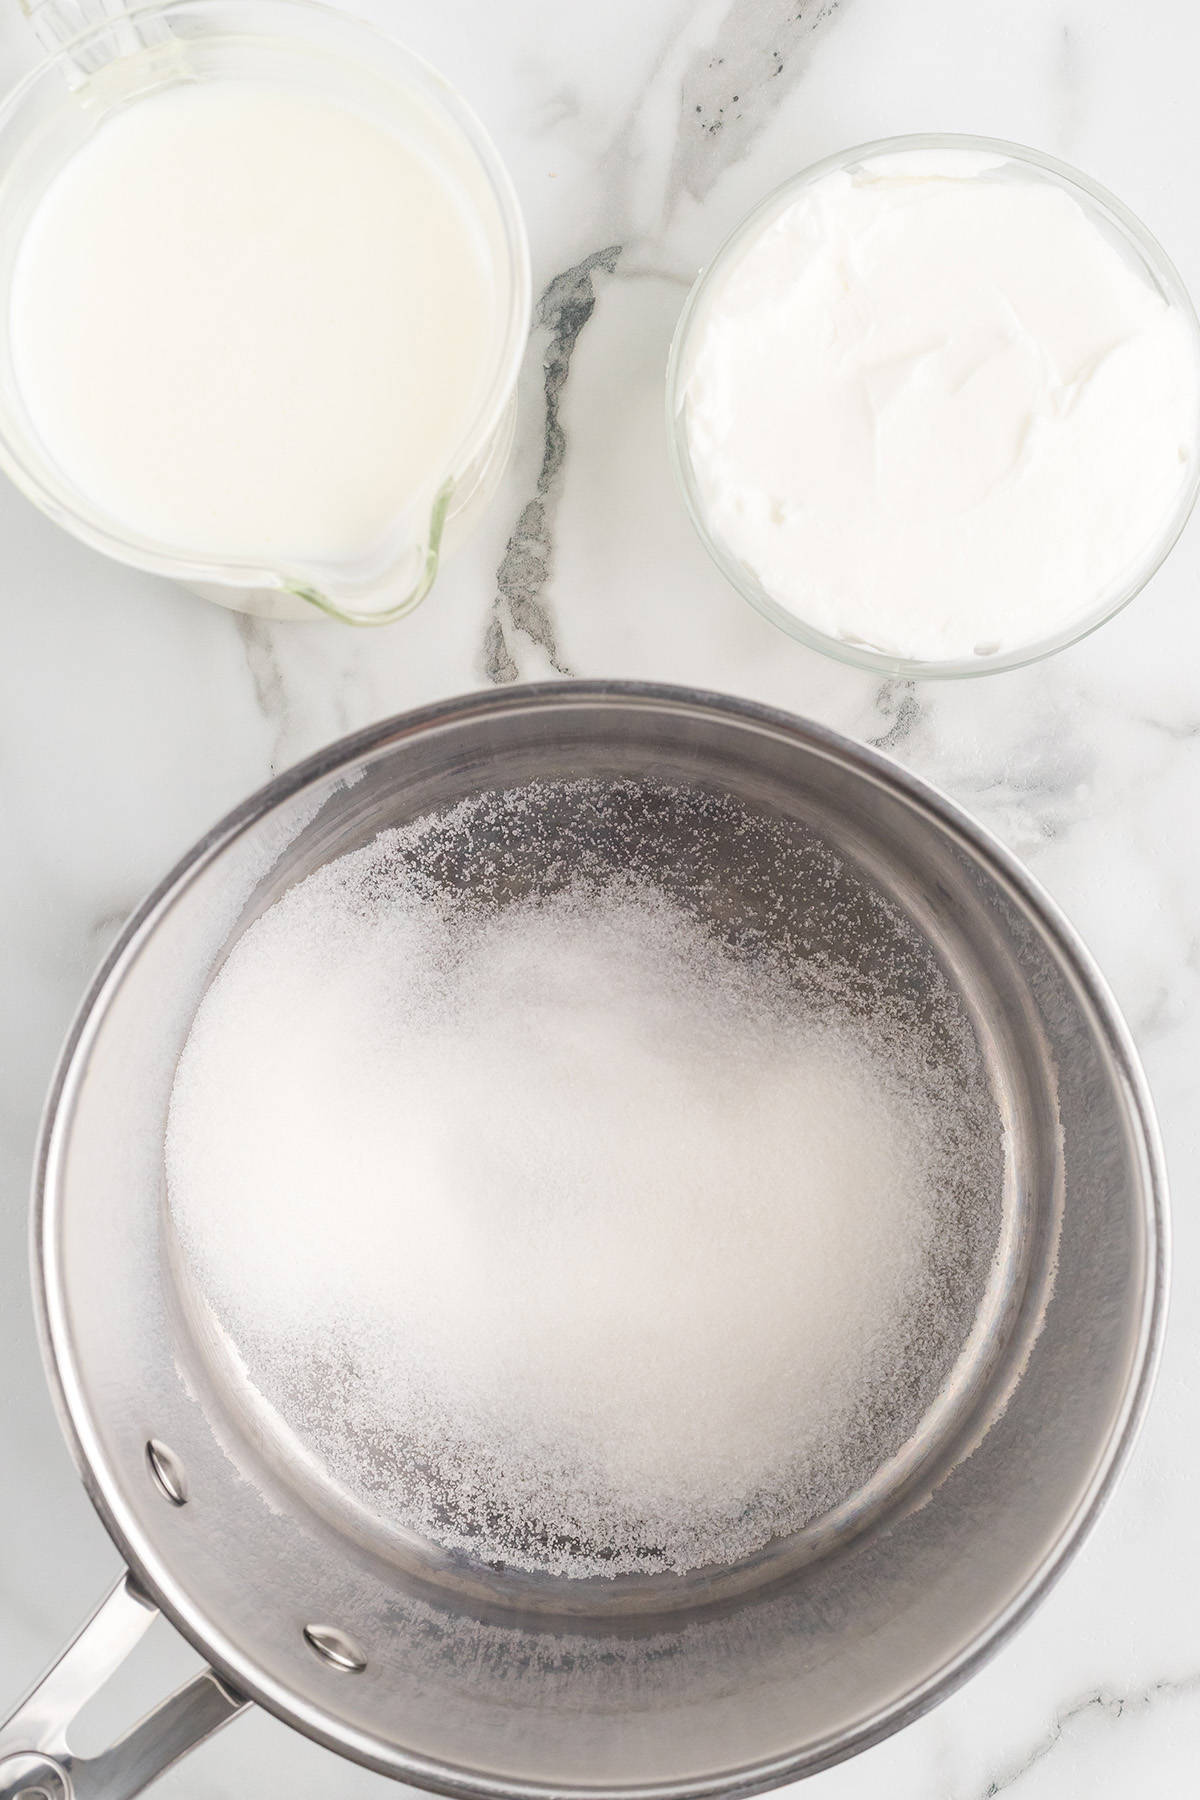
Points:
(1119, 225)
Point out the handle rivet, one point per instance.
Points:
(168, 1472)
(335, 1648)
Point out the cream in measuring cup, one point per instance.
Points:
(254, 329)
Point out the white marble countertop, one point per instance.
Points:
(132, 715)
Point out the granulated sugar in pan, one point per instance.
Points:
(577, 1226)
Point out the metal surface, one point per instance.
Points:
(484, 1681)
(36, 1761)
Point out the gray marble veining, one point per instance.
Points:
(563, 309)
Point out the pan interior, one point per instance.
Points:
(767, 881)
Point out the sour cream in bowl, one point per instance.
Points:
(935, 406)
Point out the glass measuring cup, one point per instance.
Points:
(105, 57)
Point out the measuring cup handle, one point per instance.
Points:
(34, 1752)
(57, 24)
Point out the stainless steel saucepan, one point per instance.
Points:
(485, 1681)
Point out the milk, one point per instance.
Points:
(249, 324)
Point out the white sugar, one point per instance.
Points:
(571, 1233)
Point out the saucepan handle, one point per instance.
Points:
(36, 1762)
